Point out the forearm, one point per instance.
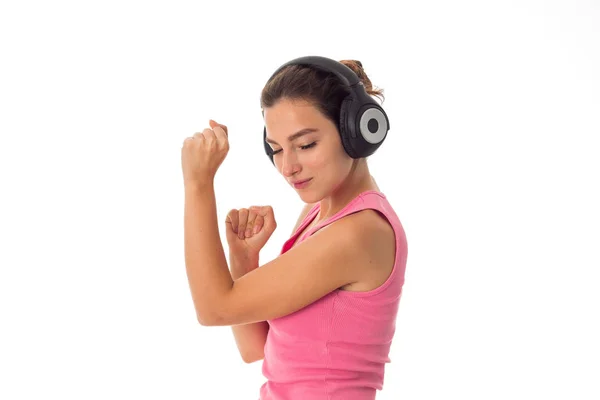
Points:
(249, 338)
(241, 264)
(206, 266)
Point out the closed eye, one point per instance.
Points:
(308, 146)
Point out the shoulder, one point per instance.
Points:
(366, 228)
(368, 242)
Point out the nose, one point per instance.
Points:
(289, 164)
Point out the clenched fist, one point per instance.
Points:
(203, 153)
(249, 229)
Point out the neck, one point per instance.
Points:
(359, 180)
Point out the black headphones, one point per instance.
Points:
(363, 123)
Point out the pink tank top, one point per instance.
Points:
(336, 347)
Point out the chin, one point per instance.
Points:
(310, 197)
(306, 196)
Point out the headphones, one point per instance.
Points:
(363, 124)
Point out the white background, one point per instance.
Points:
(491, 164)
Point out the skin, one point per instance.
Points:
(337, 178)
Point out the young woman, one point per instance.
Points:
(323, 313)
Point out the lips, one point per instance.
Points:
(299, 182)
(302, 184)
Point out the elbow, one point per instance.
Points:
(202, 321)
(205, 318)
(215, 315)
(212, 320)
(251, 358)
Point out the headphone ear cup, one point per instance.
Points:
(374, 126)
(346, 132)
(268, 149)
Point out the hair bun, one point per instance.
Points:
(352, 64)
(358, 69)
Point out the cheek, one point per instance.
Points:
(324, 156)
(316, 160)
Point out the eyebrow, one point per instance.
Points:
(295, 136)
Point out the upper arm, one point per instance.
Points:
(325, 261)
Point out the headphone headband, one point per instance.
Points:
(342, 71)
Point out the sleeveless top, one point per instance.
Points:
(336, 347)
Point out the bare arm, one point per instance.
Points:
(251, 338)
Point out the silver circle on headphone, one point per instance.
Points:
(379, 135)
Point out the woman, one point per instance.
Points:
(323, 313)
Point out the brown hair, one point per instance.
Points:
(323, 89)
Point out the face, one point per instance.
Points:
(317, 155)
